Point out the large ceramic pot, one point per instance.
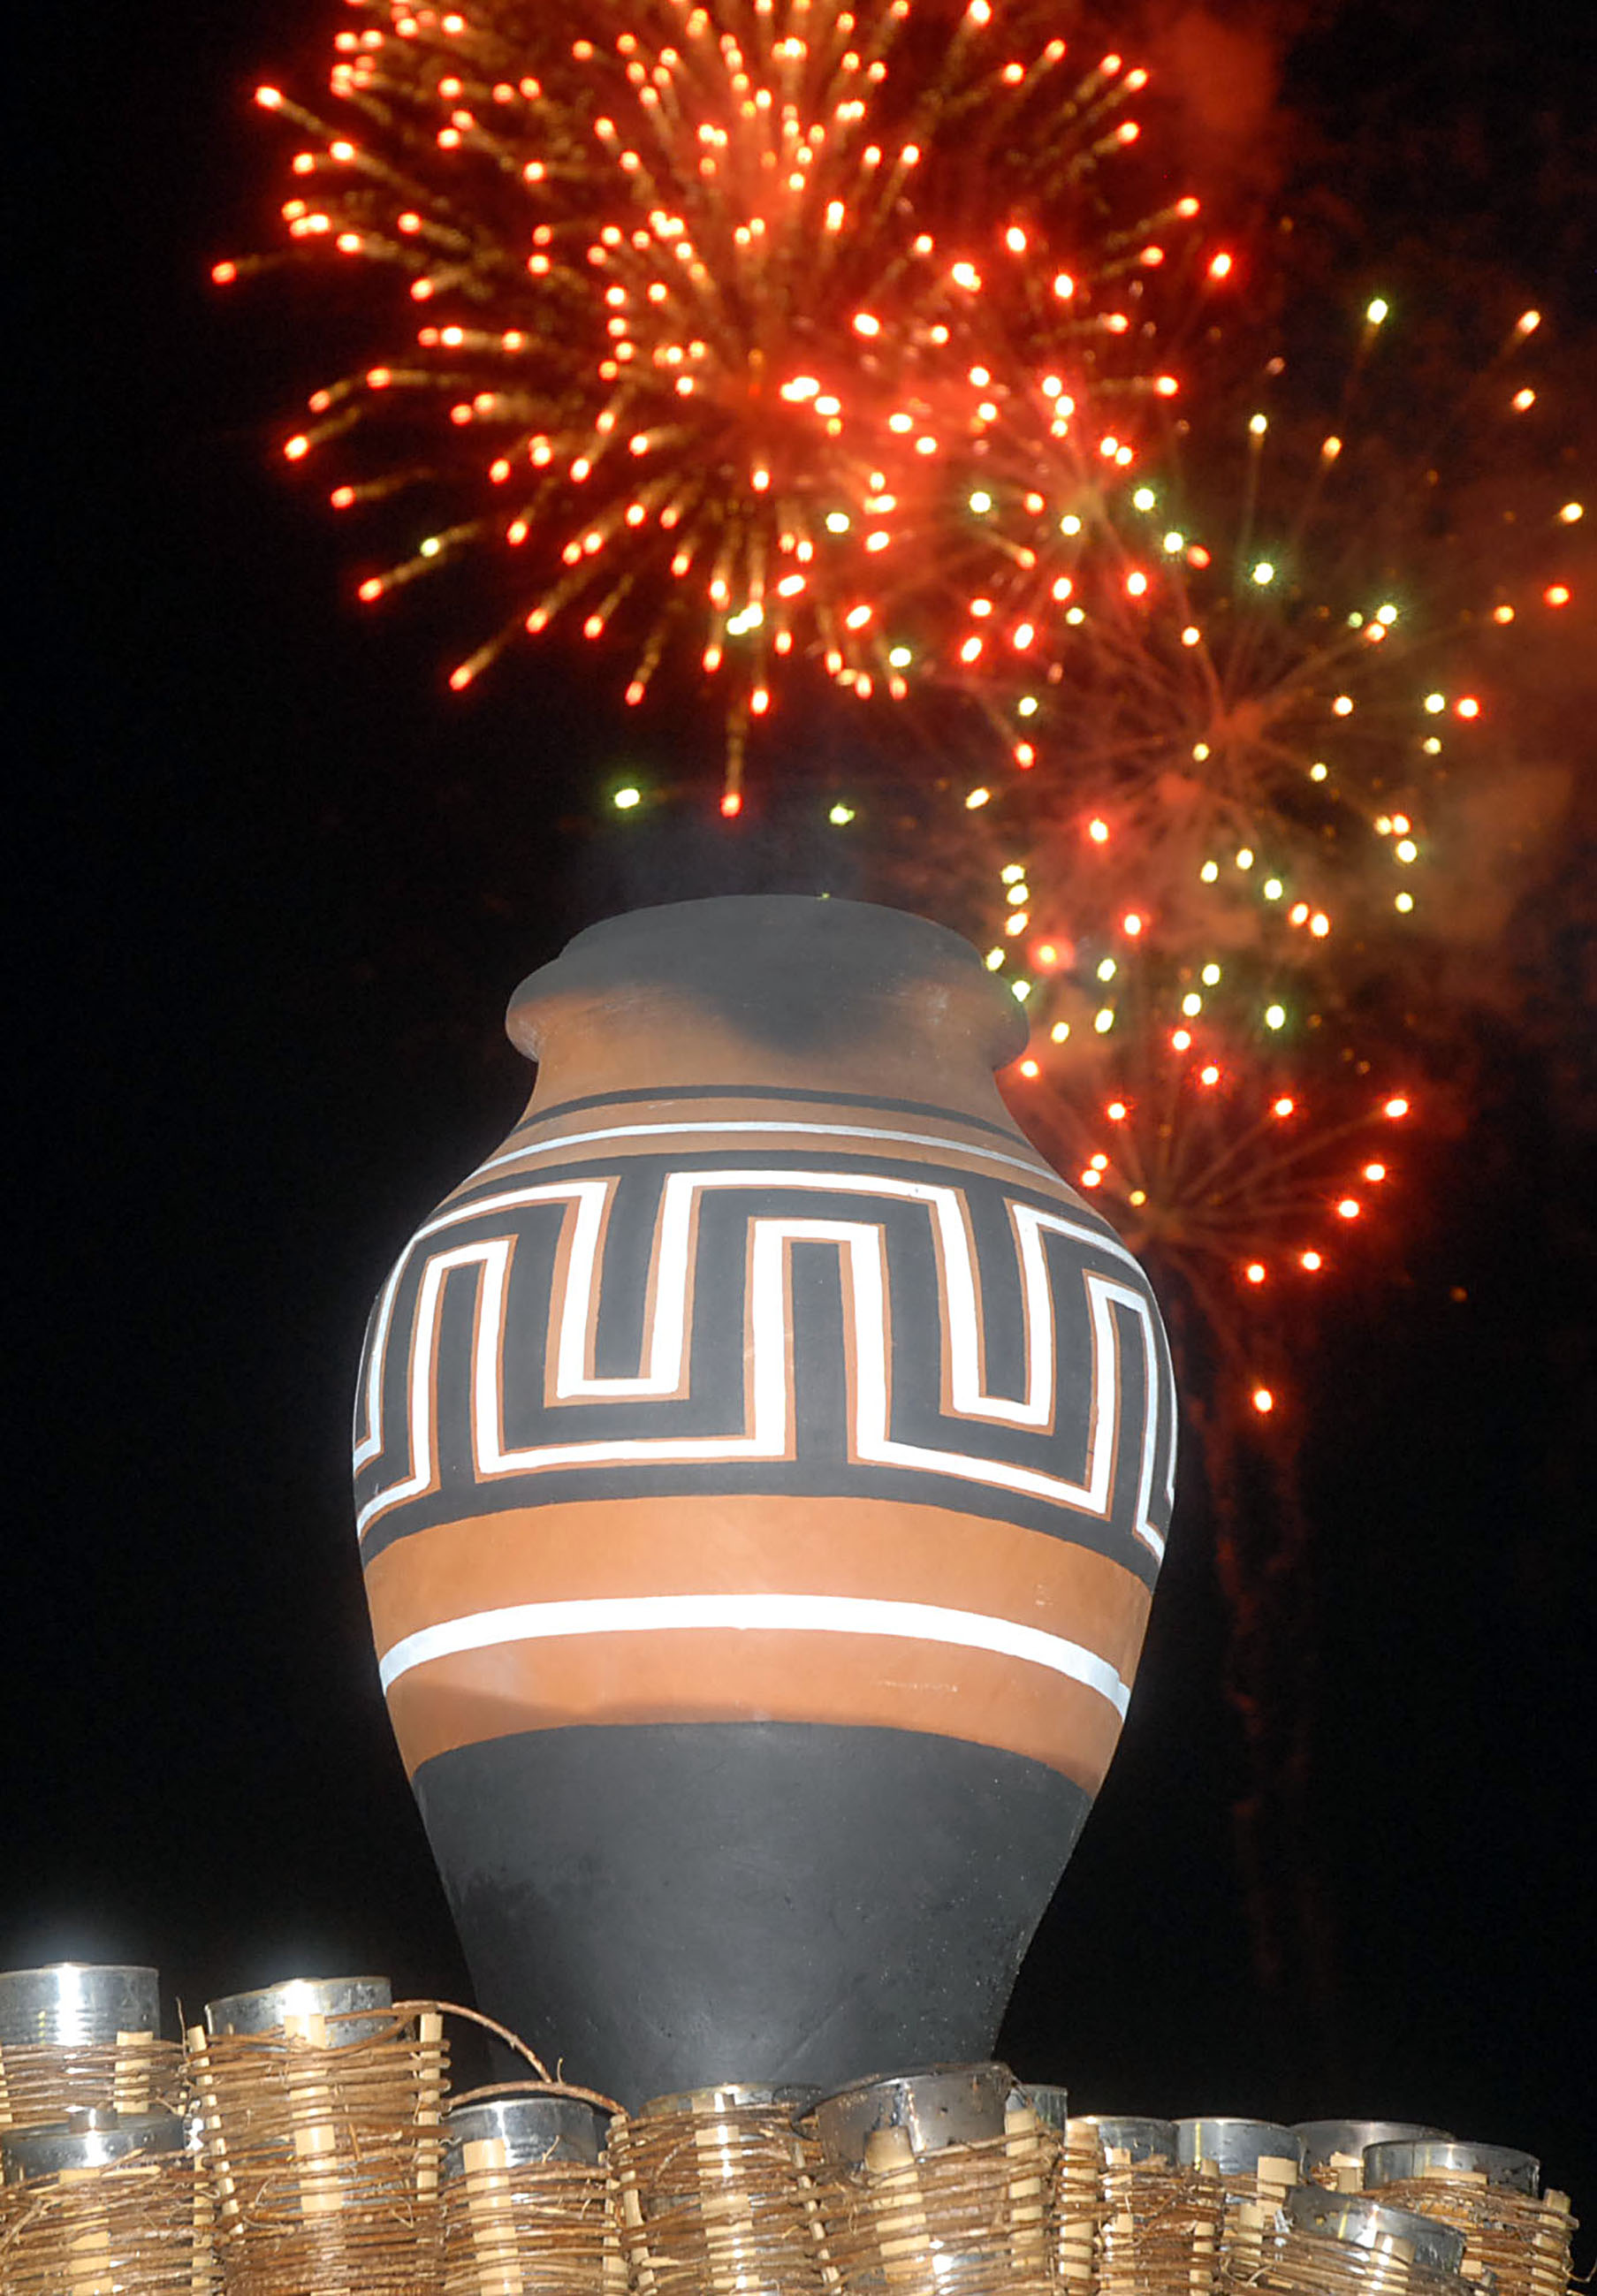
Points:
(763, 1463)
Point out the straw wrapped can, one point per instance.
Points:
(1492, 2196)
(936, 2183)
(319, 2107)
(715, 2189)
(527, 2196)
(1160, 2223)
(1347, 2244)
(104, 2204)
(83, 2036)
(1333, 2151)
(1257, 2163)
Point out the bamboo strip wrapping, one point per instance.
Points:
(1340, 2172)
(1552, 2241)
(807, 2164)
(726, 2211)
(1253, 2203)
(205, 2269)
(217, 2177)
(613, 2272)
(626, 2206)
(1210, 2215)
(431, 2082)
(311, 2113)
(1078, 2207)
(1030, 2151)
(903, 2236)
(86, 2263)
(494, 2272)
(1243, 2241)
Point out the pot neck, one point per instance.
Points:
(823, 999)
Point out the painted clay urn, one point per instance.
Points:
(763, 1463)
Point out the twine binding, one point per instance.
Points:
(43, 2081)
(135, 2227)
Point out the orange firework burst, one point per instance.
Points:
(1240, 679)
(1222, 1110)
(704, 305)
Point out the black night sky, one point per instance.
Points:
(274, 888)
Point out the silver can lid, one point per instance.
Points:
(1236, 2147)
(1324, 2139)
(341, 1998)
(1360, 2222)
(1146, 2139)
(1413, 2159)
(789, 2098)
(92, 2139)
(77, 2004)
(532, 2130)
(935, 2105)
(1047, 2100)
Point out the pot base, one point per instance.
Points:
(668, 1906)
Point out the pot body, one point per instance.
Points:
(763, 1463)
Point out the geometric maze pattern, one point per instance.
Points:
(938, 1333)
